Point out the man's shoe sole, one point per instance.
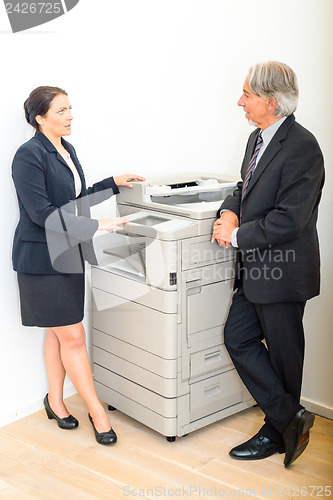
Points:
(304, 425)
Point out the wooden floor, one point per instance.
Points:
(40, 461)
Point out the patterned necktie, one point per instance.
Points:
(250, 169)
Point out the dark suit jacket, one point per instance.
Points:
(54, 231)
(277, 238)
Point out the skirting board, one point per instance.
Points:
(31, 408)
(318, 409)
(323, 411)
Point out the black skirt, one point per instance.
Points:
(50, 300)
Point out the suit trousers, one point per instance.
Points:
(271, 370)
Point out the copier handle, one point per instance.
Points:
(193, 287)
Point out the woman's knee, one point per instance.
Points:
(73, 336)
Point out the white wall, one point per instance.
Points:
(154, 86)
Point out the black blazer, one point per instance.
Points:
(277, 238)
(54, 231)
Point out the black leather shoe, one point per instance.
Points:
(296, 436)
(109, 437)
(256, 448)
(64, 423)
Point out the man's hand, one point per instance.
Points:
(223, 228)
(230, 216)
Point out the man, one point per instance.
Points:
(271, 218)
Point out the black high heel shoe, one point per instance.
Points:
(64, 423)
(109, 437)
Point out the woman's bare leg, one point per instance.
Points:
(55, 374)
(74, 357)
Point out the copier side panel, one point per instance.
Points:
(216, 390)
(161, 263)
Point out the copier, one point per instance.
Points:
(160, 301)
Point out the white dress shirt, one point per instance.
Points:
(77, 181)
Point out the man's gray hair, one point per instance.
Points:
(275, 79)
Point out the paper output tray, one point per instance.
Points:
(134, 254)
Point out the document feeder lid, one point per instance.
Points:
(195, 196)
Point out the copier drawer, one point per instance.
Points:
(214, 394)
(209, 360)
(144, 327)
(166, 387)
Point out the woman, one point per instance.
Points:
(51, 243)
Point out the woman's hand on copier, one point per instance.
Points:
(124, 180)
(111, 224)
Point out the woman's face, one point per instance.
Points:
(57, 121)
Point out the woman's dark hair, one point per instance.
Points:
(39, 102)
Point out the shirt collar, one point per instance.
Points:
(268, 133)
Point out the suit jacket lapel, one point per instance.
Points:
(263, 163)
(50, 147)
(272, 149)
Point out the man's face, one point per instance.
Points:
(256, 108)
